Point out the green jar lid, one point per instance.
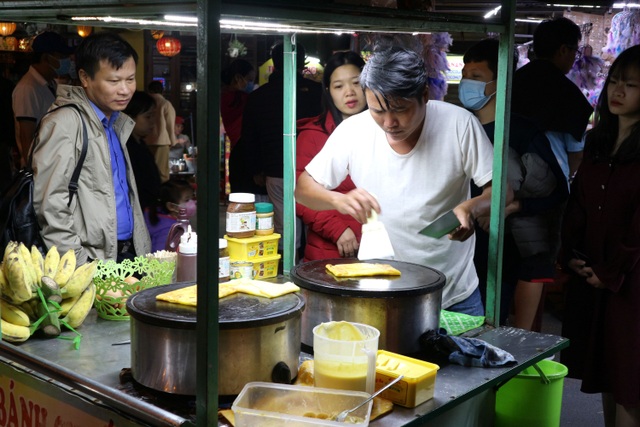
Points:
(264, 207)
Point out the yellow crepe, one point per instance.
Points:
(360, 269)
(189, 294)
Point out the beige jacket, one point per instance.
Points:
(89, 225)
(164, 130)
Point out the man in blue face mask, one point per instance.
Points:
(539, 187)
(36, 90)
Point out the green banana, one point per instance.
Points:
(51, 261)
(38, 262)
(81, 308)
(79, 280)
(14, 333)
(66, 267)
(13, 314)
(29, 308)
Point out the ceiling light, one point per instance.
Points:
(623, 5)
(148, 22)
(529, 20)
(180, 18)
(238, 25)
(569, 6)
(493, 12)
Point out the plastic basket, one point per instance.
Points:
(533, 398)
(112, 290)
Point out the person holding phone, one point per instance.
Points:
(601, 248)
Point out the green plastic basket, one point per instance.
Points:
(112, 291)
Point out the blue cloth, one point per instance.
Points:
(478, 353)
(472, 305)
(439, 347)
(124, 211)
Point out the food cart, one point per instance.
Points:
(47, 382)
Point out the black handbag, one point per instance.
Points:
(18, 219)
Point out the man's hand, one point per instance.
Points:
(358, 203)
(348, 244)
(466, 228)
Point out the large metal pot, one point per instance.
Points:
(401, 308)
(259, 340)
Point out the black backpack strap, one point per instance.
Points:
(73, 183)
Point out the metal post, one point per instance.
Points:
(289, 141)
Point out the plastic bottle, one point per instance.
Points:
(177, 230)
(264, 219)
(187, 263)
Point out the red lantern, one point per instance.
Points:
(168, 46)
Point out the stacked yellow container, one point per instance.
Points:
(252, 244)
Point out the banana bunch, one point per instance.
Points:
(43, 292)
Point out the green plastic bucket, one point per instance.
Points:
(532, 398)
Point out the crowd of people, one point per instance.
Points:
(370, 139)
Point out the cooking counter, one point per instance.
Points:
(94, 370)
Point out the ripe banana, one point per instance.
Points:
(51, 261)
(14, 333)
(67, 304)
(81, 308)
(19, 279)
(66, 267)
(10, 247)
(25, 255)
(38, 262)
(79, 280)
(13, 314)
(29, 307)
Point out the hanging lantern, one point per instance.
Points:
(7, 28)
(84, 30)
(157, 34)
(168, 46)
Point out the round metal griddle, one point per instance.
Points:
(234, 311)
(414, 280)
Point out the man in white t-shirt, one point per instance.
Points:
(418, 158)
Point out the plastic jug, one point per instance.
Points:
(344, 356)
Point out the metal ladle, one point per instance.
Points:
(343, 415)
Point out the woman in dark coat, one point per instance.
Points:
(601, 248)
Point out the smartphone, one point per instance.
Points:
(579, 255)
(441, 226)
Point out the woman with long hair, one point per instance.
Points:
(601, 248)
(331, 234)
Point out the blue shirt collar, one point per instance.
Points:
(103, 117)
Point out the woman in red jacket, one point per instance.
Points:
(331, 234)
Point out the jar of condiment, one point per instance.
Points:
(241, 215)
(224, 272)
(241, 270)
(264, 219)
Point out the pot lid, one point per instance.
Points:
(415, 279)
(234, 311)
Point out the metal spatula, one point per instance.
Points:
(343, 415)
(375, 242)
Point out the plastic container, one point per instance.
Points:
(265, 268)
(176, 231)
(343, 363)
(253, 247)
(241, 215)
(261, 404)
(264, 219)
(224, 271)
(187, 262)
(527, 401)
(418, 383)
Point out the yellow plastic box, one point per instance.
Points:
(418, 383)
(252, 248)
(264, 268)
